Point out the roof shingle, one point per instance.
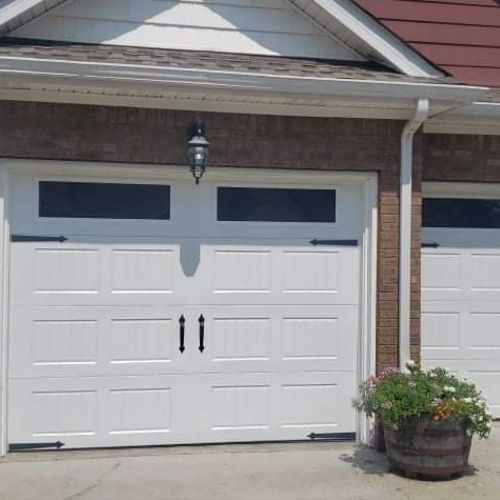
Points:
(270, 65)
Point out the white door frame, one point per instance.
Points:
(138, 172)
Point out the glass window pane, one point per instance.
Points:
(275, 205)
(104, 200)
(461, 212)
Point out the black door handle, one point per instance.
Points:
(182, 323)
(201, 321)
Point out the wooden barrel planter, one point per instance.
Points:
(429, 449)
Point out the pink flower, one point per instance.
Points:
(388, 371)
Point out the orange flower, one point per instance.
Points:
(445, 410)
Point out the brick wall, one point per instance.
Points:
(466, 158)
(91, 133)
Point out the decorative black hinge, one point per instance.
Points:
(26, 238)
(332, 436)
(343, 243)
(35, 446)
(430, 244)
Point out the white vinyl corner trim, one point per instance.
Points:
(4, 249)
(405, 222)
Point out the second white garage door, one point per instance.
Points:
(176, 313)
(461, 284)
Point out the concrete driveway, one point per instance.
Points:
(267, 471)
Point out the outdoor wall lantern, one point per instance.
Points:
(198, 148)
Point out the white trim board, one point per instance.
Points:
(4, 301)
(477, 190)
(117, 77)
(137, 171)
(220, 101)
(367, 337)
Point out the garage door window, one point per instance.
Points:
(461, 212)
(275, 205)
(104, 200)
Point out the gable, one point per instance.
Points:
(265, 27)
(462, 38)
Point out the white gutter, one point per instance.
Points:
(84, 72)
(405, 223)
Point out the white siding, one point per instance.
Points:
(243, 26)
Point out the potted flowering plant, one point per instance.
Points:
(428, 417)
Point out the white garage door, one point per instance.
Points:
(461, 289)
(268, 321)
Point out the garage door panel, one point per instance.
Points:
(485, 325)
(292, 274)
(319, 339)
(487, 379)
(142, 271)
(270, 406)
(441, 331)
(469, 270)
(281, 338)
(460, 329)
(101, 273)
(90, 412)
(484, 275)
(441, 274)
(95, 341)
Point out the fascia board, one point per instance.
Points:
(340, 108)
(381, 40)
(81, 72)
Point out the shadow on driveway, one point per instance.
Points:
(368, 461)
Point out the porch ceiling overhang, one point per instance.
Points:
(112, 75)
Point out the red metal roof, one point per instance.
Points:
(461, 37)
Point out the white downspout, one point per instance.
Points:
(405, 208)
